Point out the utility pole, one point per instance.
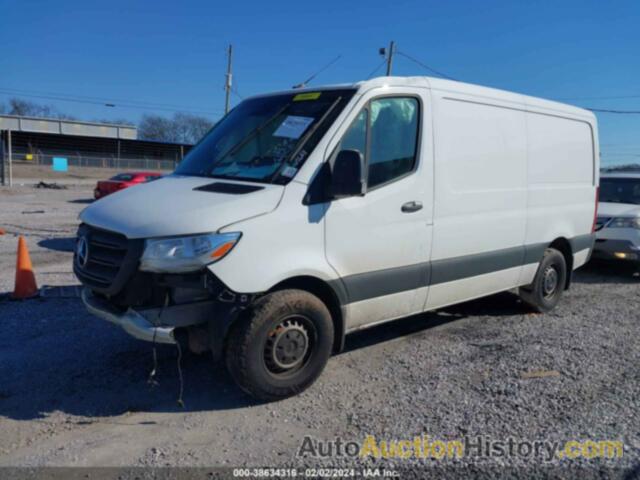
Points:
(390, 53)
(9, 148)
(227, 85)
(2, 158)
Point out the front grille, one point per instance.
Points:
(601, 222)
(108, 260)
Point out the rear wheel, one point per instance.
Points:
(280, 345)
(544, 293)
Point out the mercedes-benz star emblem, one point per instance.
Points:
(82, 251)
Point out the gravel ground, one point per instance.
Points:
(74, 390)
(48, 221)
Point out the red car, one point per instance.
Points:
(122, 181)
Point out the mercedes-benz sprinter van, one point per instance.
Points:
(305, 215)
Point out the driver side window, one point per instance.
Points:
(386, 133)
(356, 136)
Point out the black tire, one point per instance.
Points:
(544, 293)
(264, 350)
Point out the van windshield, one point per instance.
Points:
(620, 190)
(266, 139)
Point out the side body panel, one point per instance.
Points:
(563, 166)
(513, 174)
(480, 196)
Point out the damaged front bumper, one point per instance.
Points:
(134, 323)
(169, 324)
(156, 307)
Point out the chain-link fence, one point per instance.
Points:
(91, 161)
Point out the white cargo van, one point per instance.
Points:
(308, 214)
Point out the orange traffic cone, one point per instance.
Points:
(25, 279)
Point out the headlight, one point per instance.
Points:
(624, 222)
(186, 254)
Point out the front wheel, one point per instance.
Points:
(544, 293)
(280, 345)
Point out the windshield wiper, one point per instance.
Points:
(250, 135)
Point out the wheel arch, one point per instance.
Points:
(329, 295)
(564, 246)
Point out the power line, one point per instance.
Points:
(99, 99)
(424, 65)
(140, 105)
(393, 49)
(614, 97)
(234, 90)
(308, 80)
(605, 110)
(107, 104)
(377, 68)
(626, 145)
(605, 154)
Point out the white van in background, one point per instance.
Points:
(618, 225)
(308, 214)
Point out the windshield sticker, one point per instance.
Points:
(299, 158)
(301, 97)
(293, 127)
(289, 171)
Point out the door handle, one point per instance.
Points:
(411, 207)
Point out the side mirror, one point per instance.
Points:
(347, 175)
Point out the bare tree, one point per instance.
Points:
(114, 121)
(30, 109)
(155, 127)
(191, 128)
(181, 128)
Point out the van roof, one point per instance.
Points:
(458, 87)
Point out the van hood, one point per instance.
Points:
(606, 209)
(171, 206)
